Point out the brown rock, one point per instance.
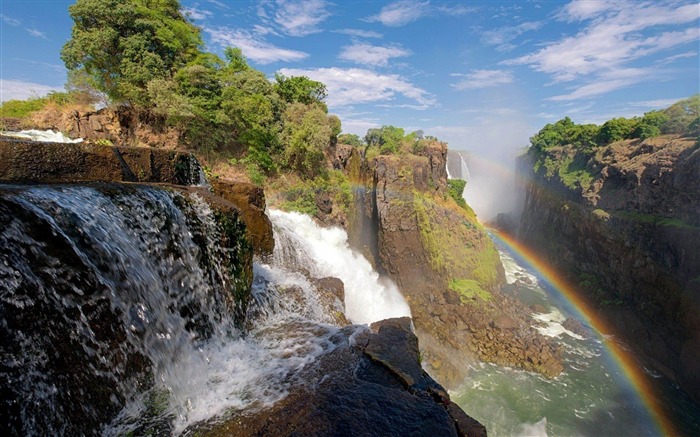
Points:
(250, 199)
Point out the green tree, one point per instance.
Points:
(305, 137)
(552, 134)
(616, 129)
(350, 139)
(336, 128)
(299, 89)
(681, 115)
(650, 125)
(124, 44)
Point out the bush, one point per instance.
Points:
(455, 190)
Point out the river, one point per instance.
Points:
(593, 397)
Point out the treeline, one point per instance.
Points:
(681, 118)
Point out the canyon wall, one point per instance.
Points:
(624, 221)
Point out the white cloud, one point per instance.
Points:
(36, 33)
(9, 20)
(455, 10)
(655, 104)
(359, 33)
(369, 55)
(18, 89)
(618, 34)
(296, 17)
(483, 79)
(579, 10)
(401, 12)
(348, 86)
(254, 47)
(501, 38)
(196, 14)
(607, 82)
(220, 4)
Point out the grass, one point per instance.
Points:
(654, 219)
(469, 290)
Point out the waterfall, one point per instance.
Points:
(117, 315)
(325, 252)
(42, 135)
(464, 169)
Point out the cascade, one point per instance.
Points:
(121, 297)
(302, 244)
(464, 169)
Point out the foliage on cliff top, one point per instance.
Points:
(681, 118)
(291, 193)
(565, 150)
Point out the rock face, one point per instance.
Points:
(28, 162)
(121, 125)
(445, 264)
(250, 199)
(371, 384)
(629, 238)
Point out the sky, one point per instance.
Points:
(482, 75)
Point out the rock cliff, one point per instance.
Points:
(444, 262)
(624, 221)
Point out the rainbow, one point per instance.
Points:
(622, 358)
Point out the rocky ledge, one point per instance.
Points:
(27, 162)
(371, 384)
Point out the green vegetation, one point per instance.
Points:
(654, 219)
(350, 139)
(24, 108)
(456, 251)
(681, 118)
(301, 196)
(455, 189)
(564, 149)
(469, 290)
(389, 140)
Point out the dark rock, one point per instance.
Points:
(31, 162)
(349, 393)
(576, 327)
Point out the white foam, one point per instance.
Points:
(45, 136)
(325, 252)
(553, 324)
(537, 429)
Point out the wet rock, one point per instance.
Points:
(31, 162)
(250, 199)
(349, 392)
(577, 327)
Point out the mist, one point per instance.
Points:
(489, 149)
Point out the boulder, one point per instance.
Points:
(349, 392)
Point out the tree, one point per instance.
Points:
(305, 136)
(552, 134)
(336, 128)
(615, 130)
(350, 139)
(650, 125)
(681, 115)
(124, 44)
(299, 89)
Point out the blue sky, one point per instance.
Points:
(482, 75)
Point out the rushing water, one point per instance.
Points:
(144, 264)
(591, 398)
